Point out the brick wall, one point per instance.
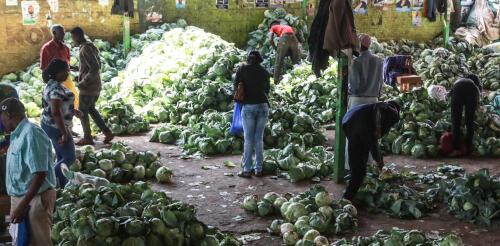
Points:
(20, 45)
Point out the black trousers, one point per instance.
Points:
(464, 95)
(358, 149)
(87, 107)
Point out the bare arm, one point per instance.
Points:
(18, 214)
(58, 118)
(271, 39)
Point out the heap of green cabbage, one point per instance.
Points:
(297, 163)
(128, 215)
(397, 236)
(122, 119)
(120, 164)
(474, 197)
(304, 216)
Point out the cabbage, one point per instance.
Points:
(264, 208)
(319, 222)
(271, 197)
(321, 241)
(106, 165)
(134, 227)
(133, 241)
(210, 241)
(414, 238)
(294, 211)
(118, 156)
(350, 209)
(451, 240)
(98, 173)
(164, 175)
(418, 151)
(279, 202)
(106, 227)
(196, 230)
(311, 235)
(139, 172)
(302, 226)
(286, 227)
(327, 211)
(323, 199)
(290, 238)
(275, 227)
(250, 203)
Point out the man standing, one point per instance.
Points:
(30, 173)
(56, 49)
(6, 91)
(288, 45)
(89, 83)
(366, 75)
(364, 125)
(465, 93)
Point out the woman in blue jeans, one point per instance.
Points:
(57, 115)
(255, 80)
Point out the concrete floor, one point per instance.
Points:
(218, 196)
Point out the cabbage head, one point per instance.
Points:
(250, 203)
(294, 211)
(323, 199)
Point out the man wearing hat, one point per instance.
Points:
(365, 79)
(30, 177)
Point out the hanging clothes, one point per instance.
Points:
(317, 55)
(431, 10)
(340, 31)
(122, 7)
(441, 6)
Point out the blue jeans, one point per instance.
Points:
(254, 122)
(65, 153)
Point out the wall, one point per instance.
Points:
(20, 45)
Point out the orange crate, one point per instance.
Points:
(408, 82)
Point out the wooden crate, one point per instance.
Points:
(408, 82)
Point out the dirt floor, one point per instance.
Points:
(205, 183)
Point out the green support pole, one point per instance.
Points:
(304, 8)
(340, 141)
(126, 35)
(446, 31)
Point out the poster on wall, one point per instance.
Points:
(277, 3)
(30, 11)
(464, 14)
(360, 6)
(262, 3)
(382, 5)
(104, 2)
(180, 4)
(311, 10)
(467, 2)
(11, 2)
(418, 4)
(248, 3)
(403, 6)
(222, 4)
(416, 18)
(54, 5)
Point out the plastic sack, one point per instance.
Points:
(20, 233)
(77, 178)
(437, 92)
(237, 123)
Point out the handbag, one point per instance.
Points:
(237, 122)
(239, 94)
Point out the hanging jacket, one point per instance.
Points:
(317, 55)
(340, 31)
(394, 66)
(121, 7)
(431, 10)
(441, 6)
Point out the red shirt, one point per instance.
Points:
(282, 29)
(53, 50)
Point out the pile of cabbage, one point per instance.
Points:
(128, 215)
(297, 163)
(306, 216)
(121, 164)
(397, 236)
(474, 197)
(259, 39)
(122, 119)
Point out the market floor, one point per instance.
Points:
(205, 183)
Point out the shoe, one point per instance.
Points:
(258, 174)
(74, 134)
(85, 141)
(245, 174)
(108, 137)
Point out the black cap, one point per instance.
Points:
(12, 106)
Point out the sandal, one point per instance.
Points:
(108, 137)
(258, 174)
(245, 174)
(85, 141)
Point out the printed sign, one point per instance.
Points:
(249, 3)
(360, 6)
(222, 4)
(403, 6)
(104, 2)
(11, 2)
(180, 4)
(418, 4)
(277, 3)
(30, 10)
(467, 2)
(416, 18)
(464, 14)
(54, 5)
(262, 3)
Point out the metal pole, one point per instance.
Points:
(126, 35)
(446, 30)
(340, 141)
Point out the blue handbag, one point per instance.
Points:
(23, 231)
(237, 123)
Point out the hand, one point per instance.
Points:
(64, 138)
(18, 215)
(78, 113)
